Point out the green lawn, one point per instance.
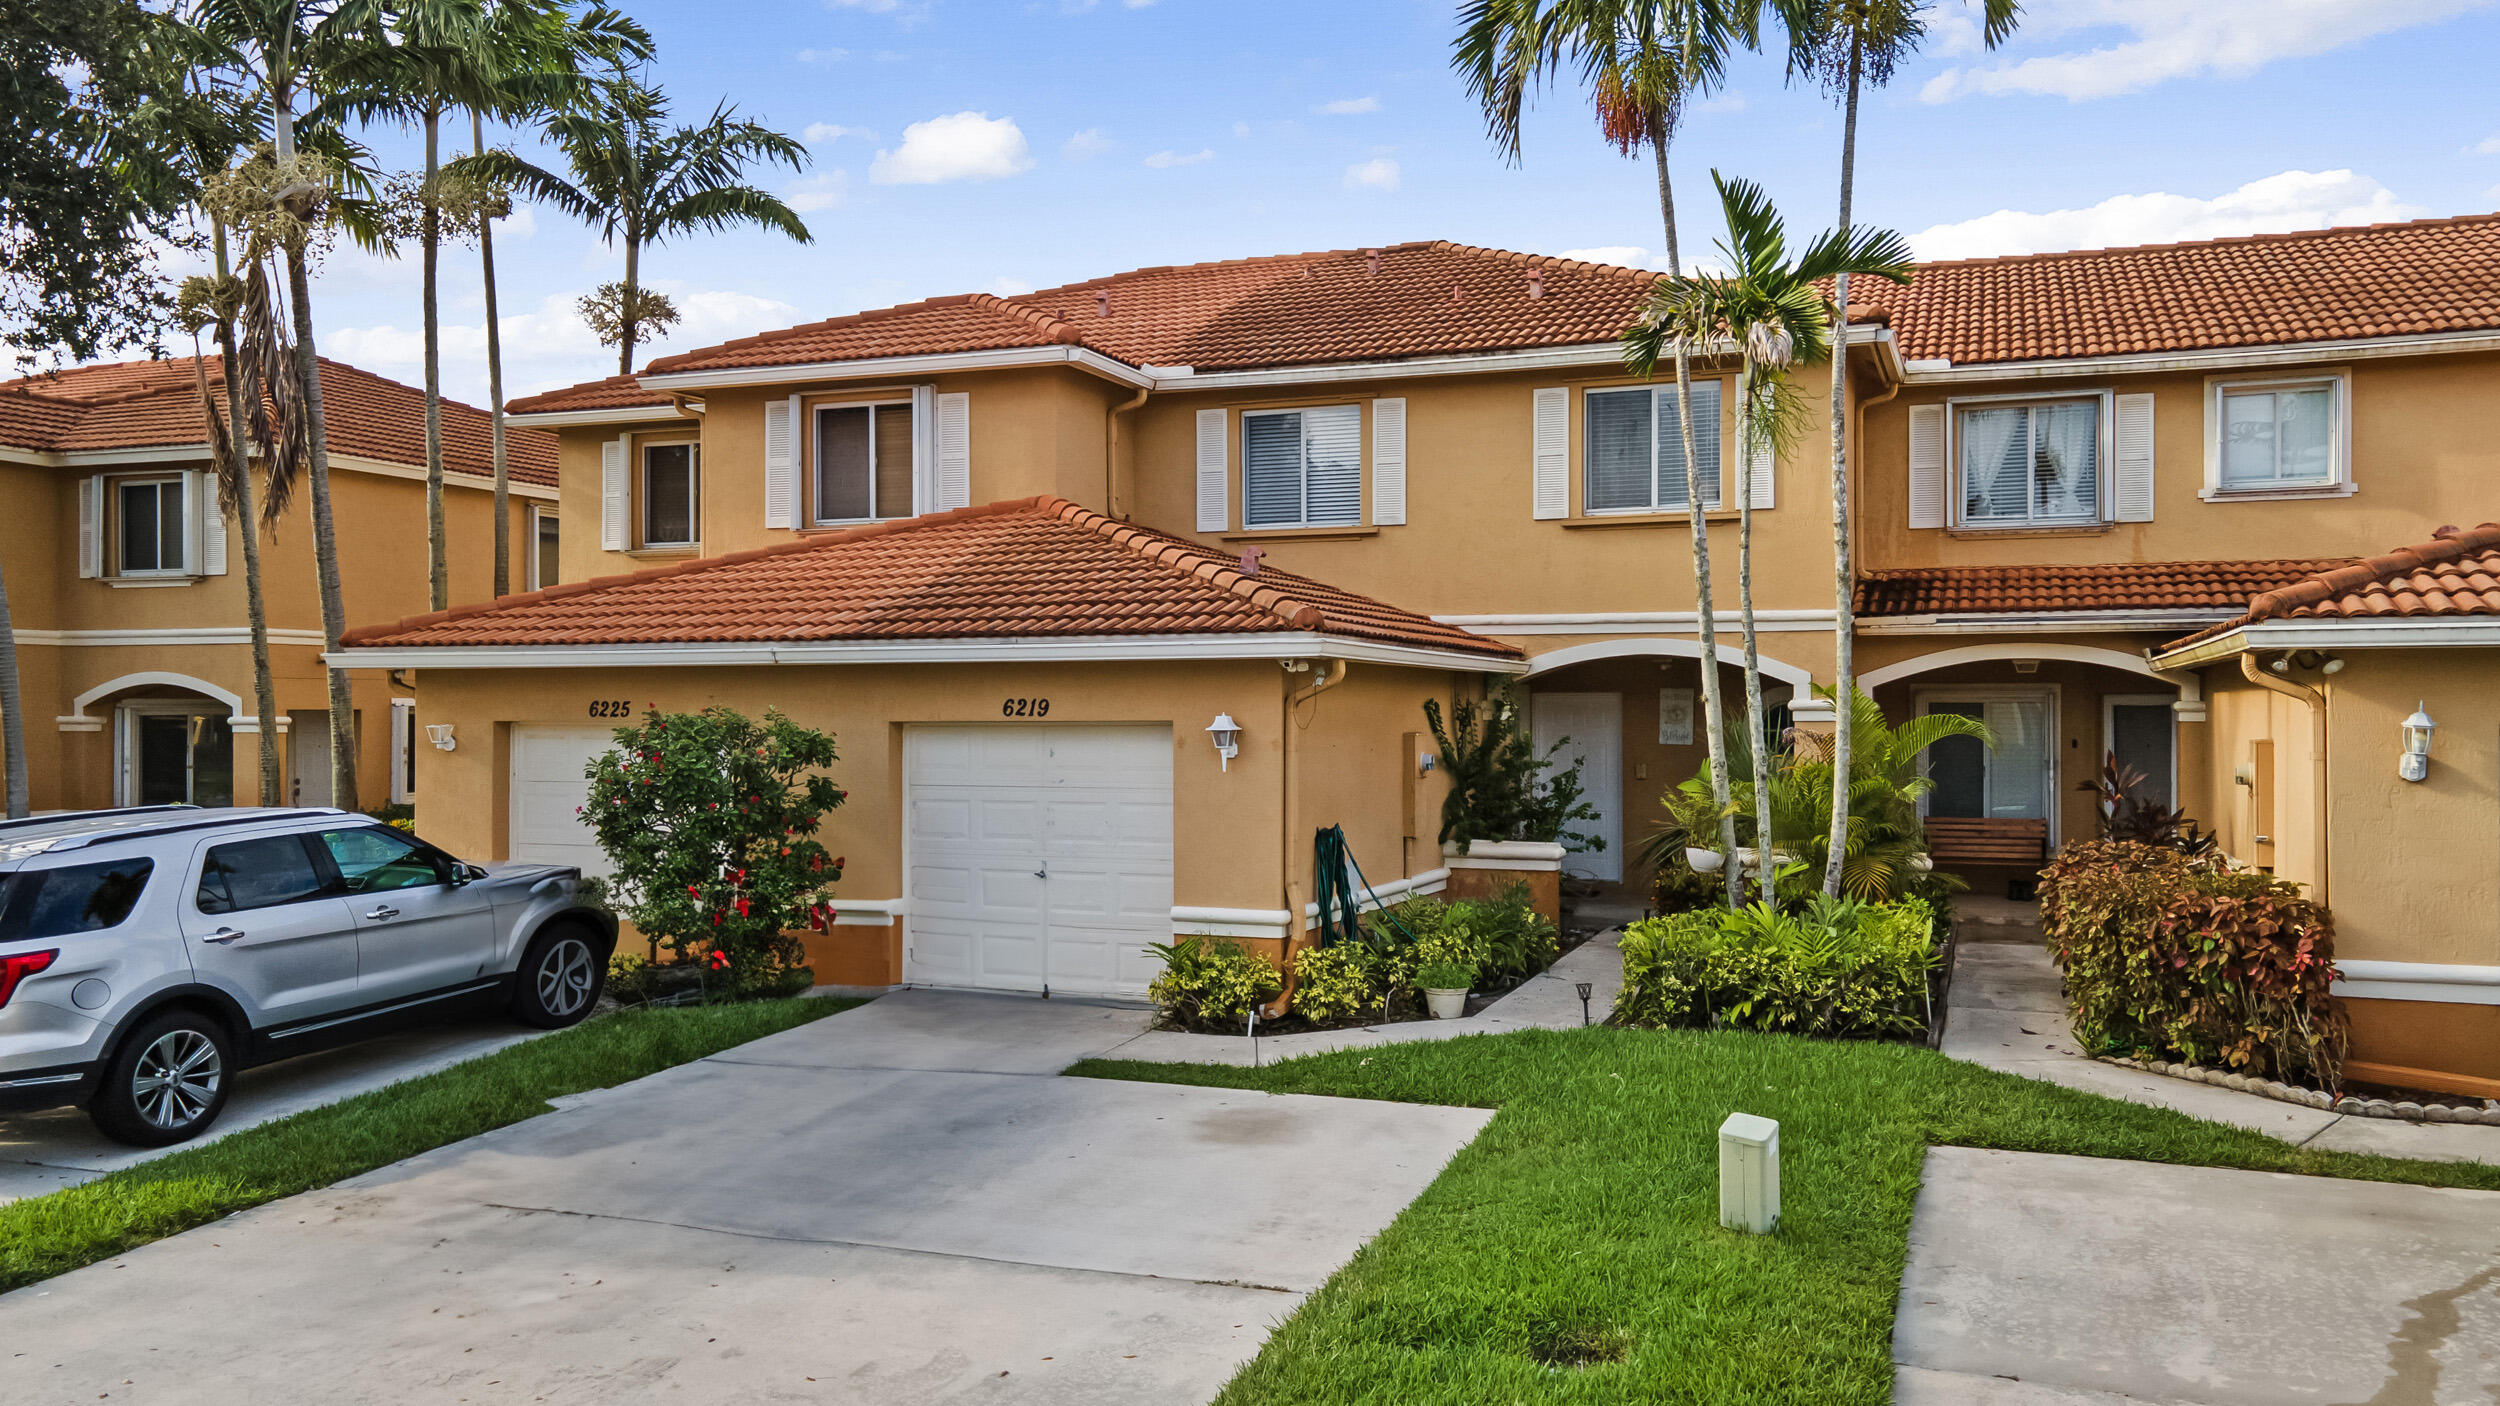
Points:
(46, 1235)
(1572, 1253)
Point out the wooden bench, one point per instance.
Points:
(1958, 841)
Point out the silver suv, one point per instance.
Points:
(146, 954)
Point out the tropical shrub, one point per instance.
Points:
(1497, 791)
(709, 822)
(1211, 983)
(1338, 983)
(1445, 976)
(1505, 938)
(2118, 793)
(2180, 956)
(1834, 967)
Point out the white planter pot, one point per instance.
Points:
(1446, 1005)
(1920, 864)
(1705, 861)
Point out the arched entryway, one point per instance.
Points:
(173, 737)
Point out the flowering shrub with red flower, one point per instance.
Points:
(709, 821)
(2178, 956)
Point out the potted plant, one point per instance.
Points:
(1445, 987)
(1704, 861)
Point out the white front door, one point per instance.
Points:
(1037, 858)
(549, 786)
(309, 742)
(1590, 725)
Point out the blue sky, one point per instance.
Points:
(1001, 145)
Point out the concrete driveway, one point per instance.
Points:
(59, 1147)
(897, 1204)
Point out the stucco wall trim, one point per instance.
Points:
(1922, 373)
(200, 634)
(1089, 649)
(2079, 621)
(2419, 981)
(1637, 622)
(932, 364)
(2481, 632)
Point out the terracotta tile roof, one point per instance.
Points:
(613, 393)
(2456, 574)
(1032, 567)
(145, 404)
(2263, 290)
(2144, 585)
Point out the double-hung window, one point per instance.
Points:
(1634, 448)
(1302, 468)
(152, 527)
(2277, 436)
(863, 468)
(545, 563)
(2030, 463)
(671, 478)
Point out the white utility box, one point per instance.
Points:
(1749, 1173)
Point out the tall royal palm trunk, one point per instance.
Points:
(1755, 736)
(430, 242)
(1844, 571)
(494, 383)
(255, 602)
(1714, 725)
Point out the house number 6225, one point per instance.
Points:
(1025, 708)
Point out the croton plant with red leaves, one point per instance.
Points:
(710, 823)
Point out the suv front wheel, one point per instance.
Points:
(167, 1082)
(560, 978)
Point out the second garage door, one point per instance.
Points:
(1037, 858)
(548, 788)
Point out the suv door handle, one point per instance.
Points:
(383, 913)
(223, 936)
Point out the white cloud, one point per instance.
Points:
(1631, 256)
(1241, 132)
(2488, 146)
(822, 55)
(1379, 173)
(825, 133)
(1165, 160)
(2166, 39)
(520, 224)
(1009, 287)
(1347, 107)
(2290, 201)
(1085, 145)
(822, 191)
(963, 146)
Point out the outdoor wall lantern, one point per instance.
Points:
(1227, 736)
(2416, 762)
(440, 735)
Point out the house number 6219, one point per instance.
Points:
(1025, 708)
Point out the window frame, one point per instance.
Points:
(1303, 523)
(814, 517)
(2338, 482)
(115, 488)
(1717, 503)
(2104, 468)
(694, 493)
(537, 557)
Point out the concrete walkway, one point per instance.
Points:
(2007, 1011)
(897, 1205)
(1547, 1001)
(59, 1147)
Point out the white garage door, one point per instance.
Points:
(548, 789)
(1038, 857)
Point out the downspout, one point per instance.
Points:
(1111, 454)
(2316, 699)
(1857, 449)
(1331, 675)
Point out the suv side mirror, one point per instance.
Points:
(466, 873)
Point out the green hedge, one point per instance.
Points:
(2178, 956)
(1832, 968)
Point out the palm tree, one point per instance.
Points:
(641, 182)
(1643, 60)
(1848, 44)
(1770, 309)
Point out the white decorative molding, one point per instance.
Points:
(2043, 622)
(1731, 655)
(2443, 632)
(1638, 622)
(1937, 372)
(611, 415)
(2418, 981)
(1531, 856)
(1271, 922)
(199, 634)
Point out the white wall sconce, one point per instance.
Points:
(440, 735)
(2415, 764)
(1226, 735)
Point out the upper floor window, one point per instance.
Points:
(1302, 468)
(544, 562)
(863, 468)
(2030, 463)
(152, 527)
(1635, 449)
(671, 475)
(2277, 435)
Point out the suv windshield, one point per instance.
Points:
(73, 898)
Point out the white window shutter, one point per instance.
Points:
(212, 520)
(191, 525)
(91, 526)
(1389, 461)
(923, 448)
(1552, 460)
(954, 451)
(2135, 458)
(1214, 492)
(781, 480)
(614, 494)
(1927, 469)
(1763, 487)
